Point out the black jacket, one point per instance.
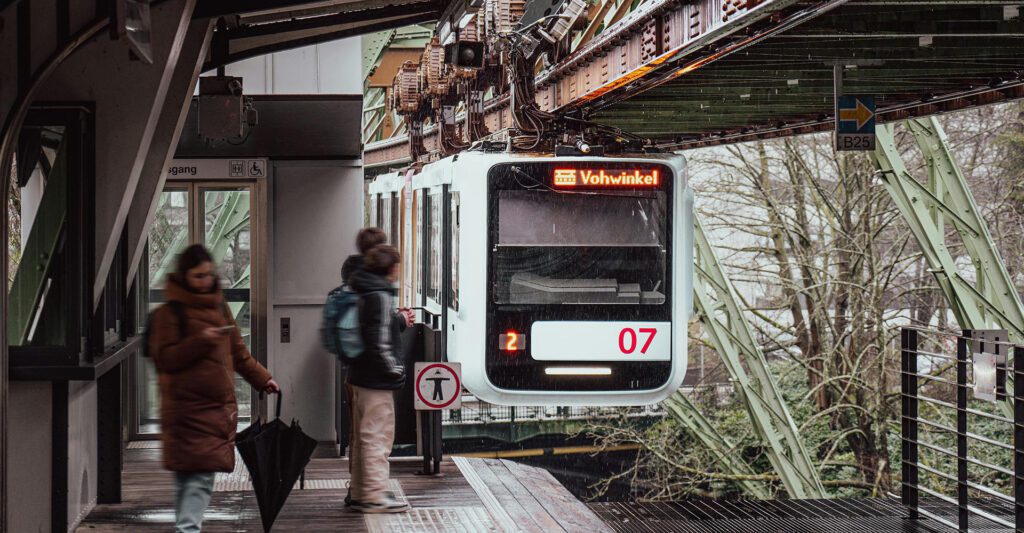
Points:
(382, 365)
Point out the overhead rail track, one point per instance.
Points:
(684, 75)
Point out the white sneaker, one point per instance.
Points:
(387, 505)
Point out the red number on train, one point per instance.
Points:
(628, 332)
(622, 341)
(651, 332)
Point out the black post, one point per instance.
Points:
(59, 457)
(429, 339)
(446, 300)
(908, 356)
(110, 450)
(429, 432)
(1018, 436)
(962, 352)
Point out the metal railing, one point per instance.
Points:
(946, 384)
(474, 411)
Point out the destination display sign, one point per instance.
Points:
(598, 177)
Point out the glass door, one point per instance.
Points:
(219, 215)
(227, 232)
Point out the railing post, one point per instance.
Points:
(1018, 437)
(962, 353)
(908, 385)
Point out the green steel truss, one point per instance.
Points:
(28, 290)
(376, 110)
(982, 300)
(679, 407)
(717, 303)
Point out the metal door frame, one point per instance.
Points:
(257, 274)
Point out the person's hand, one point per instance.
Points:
(271, 387)
(213, 334)
(410, 316)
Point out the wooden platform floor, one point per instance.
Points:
(471, 495)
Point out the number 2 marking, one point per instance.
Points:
(628, 332)
(510, 345)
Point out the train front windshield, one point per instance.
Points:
(579, 274)
(580, 247)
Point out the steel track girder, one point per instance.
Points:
(717, 303)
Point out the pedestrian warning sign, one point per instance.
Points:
(438, 386)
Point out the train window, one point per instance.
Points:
(434, 269)
(384, 214)
(594, 247)
(453, 297)
(378, 213)
(396, 217)
(418, 275)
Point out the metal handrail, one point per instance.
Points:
(974, 412)
(911, 419)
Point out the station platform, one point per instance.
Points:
(485, 495)
(471, 495)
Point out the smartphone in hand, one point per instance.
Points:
(226, 329)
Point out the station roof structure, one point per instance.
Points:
(703, 72)
(916, 58)
(258, 27)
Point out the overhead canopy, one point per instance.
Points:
(915, 58)
(257, 27)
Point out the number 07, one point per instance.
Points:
(631, 347)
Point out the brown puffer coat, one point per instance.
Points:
(198, 412)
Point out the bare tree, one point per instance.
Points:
(828, 271)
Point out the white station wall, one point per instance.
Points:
(317, 210)
(328, 68)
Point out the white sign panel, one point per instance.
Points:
(601, 341)
(216, 169)
(438, 386)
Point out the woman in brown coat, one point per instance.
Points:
(198, 411)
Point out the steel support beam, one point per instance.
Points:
(717, 303)
(985, 300)
(687, 414)
(171, 122)
(127, 116)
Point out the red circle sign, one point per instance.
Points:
(458, 386)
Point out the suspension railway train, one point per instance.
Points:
(569, 279)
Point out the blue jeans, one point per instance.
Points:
(192, 491)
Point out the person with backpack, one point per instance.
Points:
(372, 380)
(197, 348)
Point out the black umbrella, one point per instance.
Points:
(275, 454)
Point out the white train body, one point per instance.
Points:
(571, 277)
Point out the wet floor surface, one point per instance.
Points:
(779, 516)
(148, 498)
(471, 495)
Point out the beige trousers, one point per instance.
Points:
(373, 434)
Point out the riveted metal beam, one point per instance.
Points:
(683, 411)
(717, 303)
(984, 299)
